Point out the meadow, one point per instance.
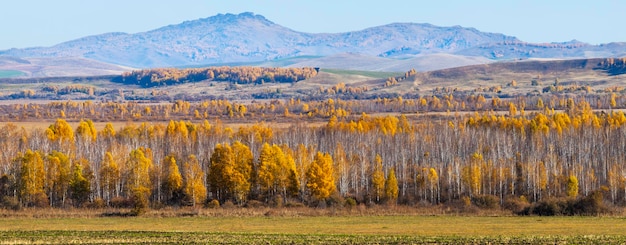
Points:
(10, 73)
(369, 229)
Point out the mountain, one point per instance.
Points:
(250, 39)
(246, 37)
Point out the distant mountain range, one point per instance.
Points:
(249, 39)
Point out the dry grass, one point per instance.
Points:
(378, 224)
(438, 225)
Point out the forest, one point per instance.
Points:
(239, 75)
(543, 161)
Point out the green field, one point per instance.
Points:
(10, 73)
(317, 229)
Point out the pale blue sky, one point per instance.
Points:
(28, 23)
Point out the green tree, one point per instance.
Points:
(80, 188)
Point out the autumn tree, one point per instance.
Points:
(277, 172)
(231, 171)
(194, 187)
(572, 186)
(320, 177)
(173, 180)
(80, 188)
(58, 175)
(31, 178)
(138, 179)
(242, 174)
(61, 134)
(378, 178)
(110, 177)
(221, 164)
(391, 187)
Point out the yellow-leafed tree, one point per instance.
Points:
(572, 186)
(241, 177)
(220, 170)
(378, 178)
(109, 177)
(173, 184)
(320, 177)
(194, 180)
(277, 171)
(31, 179)
(138, 179)
(391, 187)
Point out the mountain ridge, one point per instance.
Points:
(248, 37)
(252, 38)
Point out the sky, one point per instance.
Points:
(32, 23)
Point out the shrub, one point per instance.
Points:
(592, 204)
(548, 207)
(213, 204)
(228, 204)
(254, 204)
(120, 202)
(39, 200)
(10, 203)
(292, 204)
(516, 205)
(335, 200)
(277, 201)
(97, 203)
(350, 203)
(486, 201)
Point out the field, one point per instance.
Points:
(10, 73)
(372, 74)
(315, 229)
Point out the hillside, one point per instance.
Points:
(58, 67)
(531, 76)
(501, 79)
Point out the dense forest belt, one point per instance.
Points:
(238, 75)
(547, 162)
(295, 110)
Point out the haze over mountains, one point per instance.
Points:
(249, 39)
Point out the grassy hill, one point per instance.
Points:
(11, 73)
(502, 79)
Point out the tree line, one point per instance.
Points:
(500, 159)
(294, 108)
(239, 75)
